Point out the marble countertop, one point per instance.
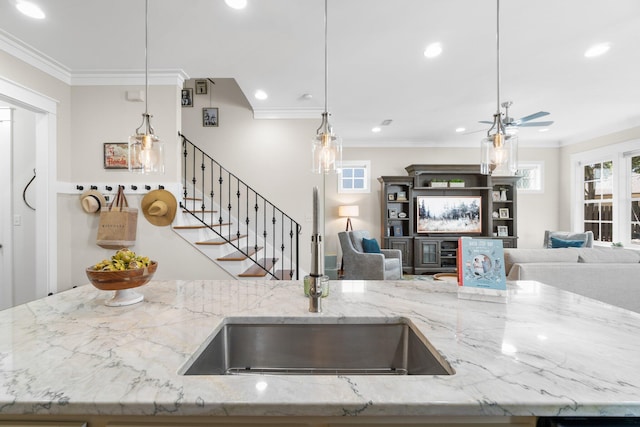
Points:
(544, 352)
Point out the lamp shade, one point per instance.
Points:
(348, 211)
(499, 155)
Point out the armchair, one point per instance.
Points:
(359, 265)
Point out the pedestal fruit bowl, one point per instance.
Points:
(122, 273)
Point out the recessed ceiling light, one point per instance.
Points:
(433, 50)
(236, 4)
(543, 130)
(597, 50)
(261, 95)
(460, 130)
(376, 129)
(32, 10)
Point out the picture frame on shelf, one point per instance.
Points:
(401, 196)
(210, 117)
(397, 231)
(391, 197)
(393, 213)
(504, 213)
(503, 231)
(495, 196)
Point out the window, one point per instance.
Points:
(354, 176)
(598, 200)
(607, 193)
(531, 180)
(634, 185)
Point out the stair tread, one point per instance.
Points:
(198, 226)
(239, 256)
(221, 241)
(256, 270)
(197, 211)
(283, 275)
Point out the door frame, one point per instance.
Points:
(45, 109)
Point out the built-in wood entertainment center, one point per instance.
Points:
(425, 212)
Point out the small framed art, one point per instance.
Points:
(187, 97)
(116, 155)
(201, 87)
(503, 231)
(210, 117)
(504, 213)
(391, 196)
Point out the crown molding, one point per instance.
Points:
(42, 62)
(128, 78)
(276, 113)
(34, 57)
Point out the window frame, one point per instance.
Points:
(620, 155)
(355, 164)
(539, 166)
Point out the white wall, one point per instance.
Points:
(24, 237)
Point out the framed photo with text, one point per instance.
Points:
(201, 87)
(116, 155)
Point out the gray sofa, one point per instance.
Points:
(606, 274)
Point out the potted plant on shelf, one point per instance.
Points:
(438, 183)
(456, 182)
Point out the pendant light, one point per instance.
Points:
(146, 152)
(498, 151)
(327, 147)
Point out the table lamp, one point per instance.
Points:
(348, 211)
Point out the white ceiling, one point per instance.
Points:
(377, 70)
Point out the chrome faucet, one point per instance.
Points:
(316, 277)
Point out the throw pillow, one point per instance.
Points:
(371, 246)
(562, 243)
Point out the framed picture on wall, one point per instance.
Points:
(210, 117)
(187, 97)
(116, 155)
(201, 87)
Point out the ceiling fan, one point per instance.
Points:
(526, 121)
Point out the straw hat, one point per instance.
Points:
(159, 207)
(92, 201)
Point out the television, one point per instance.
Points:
(449, 214)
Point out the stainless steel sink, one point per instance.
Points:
(339, 346)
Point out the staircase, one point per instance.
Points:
(232, 224)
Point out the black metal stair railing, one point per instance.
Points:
(237, 213)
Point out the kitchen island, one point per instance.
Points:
(544, 352)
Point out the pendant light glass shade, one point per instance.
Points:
(498, 151)
(146, 152)
(326, 151)
(326, 148)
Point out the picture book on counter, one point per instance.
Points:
(481, 263)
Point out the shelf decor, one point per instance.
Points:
(456, 183)
(435, 183)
